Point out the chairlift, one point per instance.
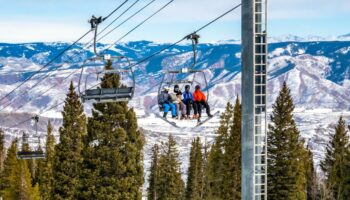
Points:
(174, 77)
(38, 153)
(102, 95)
(170, 78)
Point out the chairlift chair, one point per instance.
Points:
(174, 81)
(102, 95)
(31, 154)
(170, 77)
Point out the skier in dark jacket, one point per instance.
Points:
(164, 101)
(189, 102)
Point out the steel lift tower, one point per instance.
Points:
(254, 62)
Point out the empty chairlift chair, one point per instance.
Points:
(100, 95)
(31, 154)
(26, 152)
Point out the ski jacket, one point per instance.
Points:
(187, 96)
(173, 97)
(163, 98)
(176, 97)
(199, 96)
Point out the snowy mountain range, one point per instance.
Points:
(318, 73)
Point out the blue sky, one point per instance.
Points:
(65, 20)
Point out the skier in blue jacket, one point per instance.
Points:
(164, 101)
(189, 101)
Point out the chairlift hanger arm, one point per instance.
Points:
(194, 37)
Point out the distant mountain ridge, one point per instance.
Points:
(314, 68)
(318, 73)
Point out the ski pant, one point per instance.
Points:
(199, 105)
(190, 104)
(170, 106)
(180, 106)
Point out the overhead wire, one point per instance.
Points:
(47, 90)
(115, 10)
(56, 68)
(137, 12)
(57, 56)
(111, 23)
(147, 58)
(130, 17)
(144, 21)
(45, 66)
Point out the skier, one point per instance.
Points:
(178, 102)
(164, 101)
(201, 100)
(189, 102)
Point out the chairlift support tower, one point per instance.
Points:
(254, 70)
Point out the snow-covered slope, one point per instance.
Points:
(318, 74)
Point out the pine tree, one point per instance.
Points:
(33, 166)
(154, 174)
(2, 158)
(31, 163)
(16, 180)
(113, 158)
(346, 178)
(334, 160)
(25, 145)
(286, 154)
(170, 185)
(214, 170)
(68, 159)
(9, 164)
(45, 170)
(36, 195)
(312, 182)
(232, 157)
(226, 121)
(20, 185)
(195, 172)
(206, 189)
(2, 150)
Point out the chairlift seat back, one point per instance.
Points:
(108, 94)
(30, 154)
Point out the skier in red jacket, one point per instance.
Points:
(201, 100)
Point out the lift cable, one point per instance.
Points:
(35, 85)
(179, 41)
(137, 12)
(144, 21)
(46, 65)
(47, 90)
(184, 38)
(56, 68)
(111, 23)
(142, 60)
(115, 10)
(56, 57)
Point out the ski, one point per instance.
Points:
(167, 121)
(207, 119)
